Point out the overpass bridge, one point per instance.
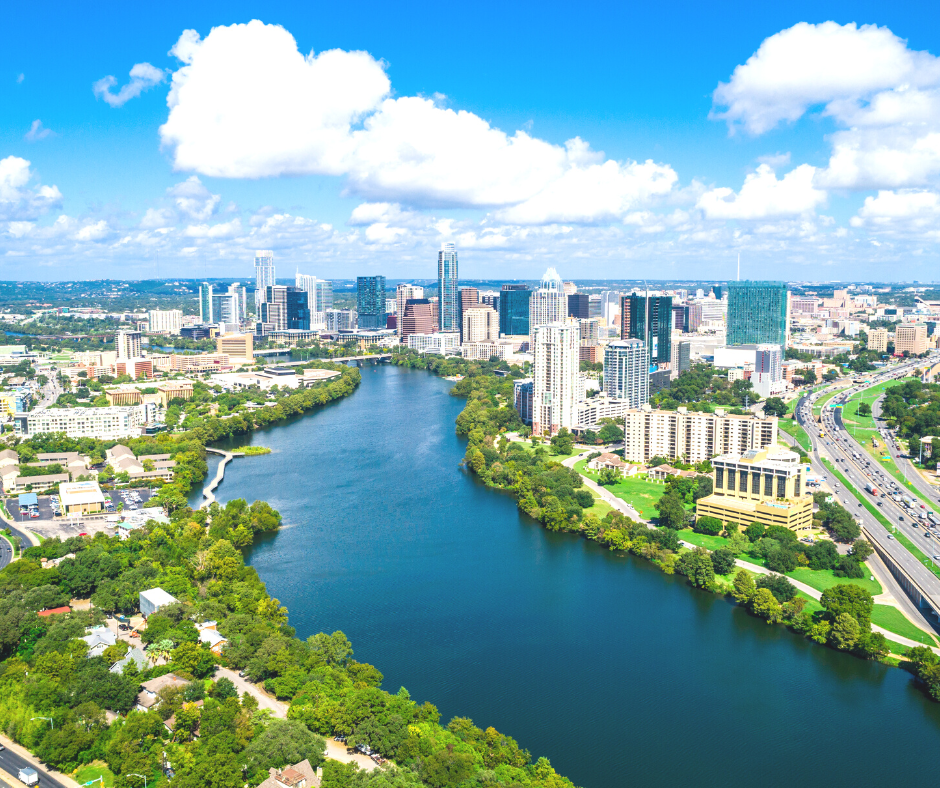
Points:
(373, 357)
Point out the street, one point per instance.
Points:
(11, 762)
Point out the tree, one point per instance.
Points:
(765, 605)
(782, 589)
(849, 598)
(672, 513)
(864, 409)
(873, 645)
(755, 531)
(845, 631)
(744, 587)
(697, 566)
(285, 742)
(774, 406)
(861, 549)
(708, 525)
(723, 561)
(446, 768)
(562, 443)
(609, 476)
(610, 433)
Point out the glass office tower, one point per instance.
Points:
(370, 301)
(655, 328)
(448, 311)
(758, 313)
(514, 310)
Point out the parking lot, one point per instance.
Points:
(50, 526)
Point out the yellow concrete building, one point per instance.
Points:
(878, 339)
(759, 487)
(235, 345)
(911, 337)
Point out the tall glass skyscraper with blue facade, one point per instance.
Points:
(370, 301)
(758, 313)
(448, 312)
(514, 310)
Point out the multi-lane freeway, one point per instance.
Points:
(12, 762)
(830, 441)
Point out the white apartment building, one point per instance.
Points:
(547, 304)
(403, 293)
(694, 437)
(480, 324)
(627, 372)
(319, 296)
(556, 383)
(127, 344)
(109, 423)
(503, 349)
(339, 319)
(589, 413)
(264, 275)
(444, 343)
(767, 379)
(165, 321)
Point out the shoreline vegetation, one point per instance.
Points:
(251, 451)
(210, 733)
(555, 496)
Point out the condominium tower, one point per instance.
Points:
(370, 301)
(127, 344)
(555, 378)
(548, 304)
(264, 273)
(626, 371)
(447, 280)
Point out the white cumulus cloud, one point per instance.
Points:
(38, 132)
(143, 77)
(247, 103)
(763, 196)
(904, 211)
(18, 200)
(193, 199)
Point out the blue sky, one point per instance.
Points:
(819, 160)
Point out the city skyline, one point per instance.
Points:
(98, 176)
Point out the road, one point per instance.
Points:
(904, 465)
(6, 552)
(50, 392)
(838, 448)
(11, 762)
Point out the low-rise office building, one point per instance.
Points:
(693, 437)
(81, 497)
(443, 343)
(759, 487)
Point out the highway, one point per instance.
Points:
(838, 447)
(6, 553)
(12, 763)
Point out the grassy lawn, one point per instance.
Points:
(641, 494)
(812, 605)
(821, 402)
(914, 549)
(894, 620)
(821, 579)
(796, 431)
(557, 457)
(703, 540)
(93, 771)
(600, 508)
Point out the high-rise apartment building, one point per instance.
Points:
(480, 324)
(319, 292)
(339, 319)
(417, 318)
(548, 304)
(556, 387)
(579, 306)
(514, 310)
(679, 312)
(370, 301)
(767, 378)
(758, 313)
(127, 344)
(205, 304)
(285, 308)
(264, 274)
(681, 357)
(910, 338)
(165, 321)
(627, 372)
(447, 288)
(652, 325)
(467, 298)
(404, 293)
(590, 331)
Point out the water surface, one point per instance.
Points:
(617, 673)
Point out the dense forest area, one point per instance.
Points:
(914, 408)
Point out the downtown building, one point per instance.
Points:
(514, 310)
(417, 317)
(264, 276)
(758, 313)
(319, 296)
(370, 302)
(447, 279)
(284, 309)
(556, 384)
(548, 304)
(693, 437)
(626, 372)
(403, 294)
(480, 324)
(107, 423)
(165, 321)
(648, 318)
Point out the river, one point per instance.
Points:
(615, 672)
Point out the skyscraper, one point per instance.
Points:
(264, 273)
(758, 313)
(555, 367)
(417, 317)
(627, 372)
(319, 292)
(654, 328)
(205, 303)
(467, 298)
(285, 308)
(229, 307)
(579, 305)
(370, 301)
(514, 310)
(447, 287)
(548, 304)
(404, 293)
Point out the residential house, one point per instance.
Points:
(147, 697)
(208, 633)
(300, 775)
(134, 655)
(98, 639)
